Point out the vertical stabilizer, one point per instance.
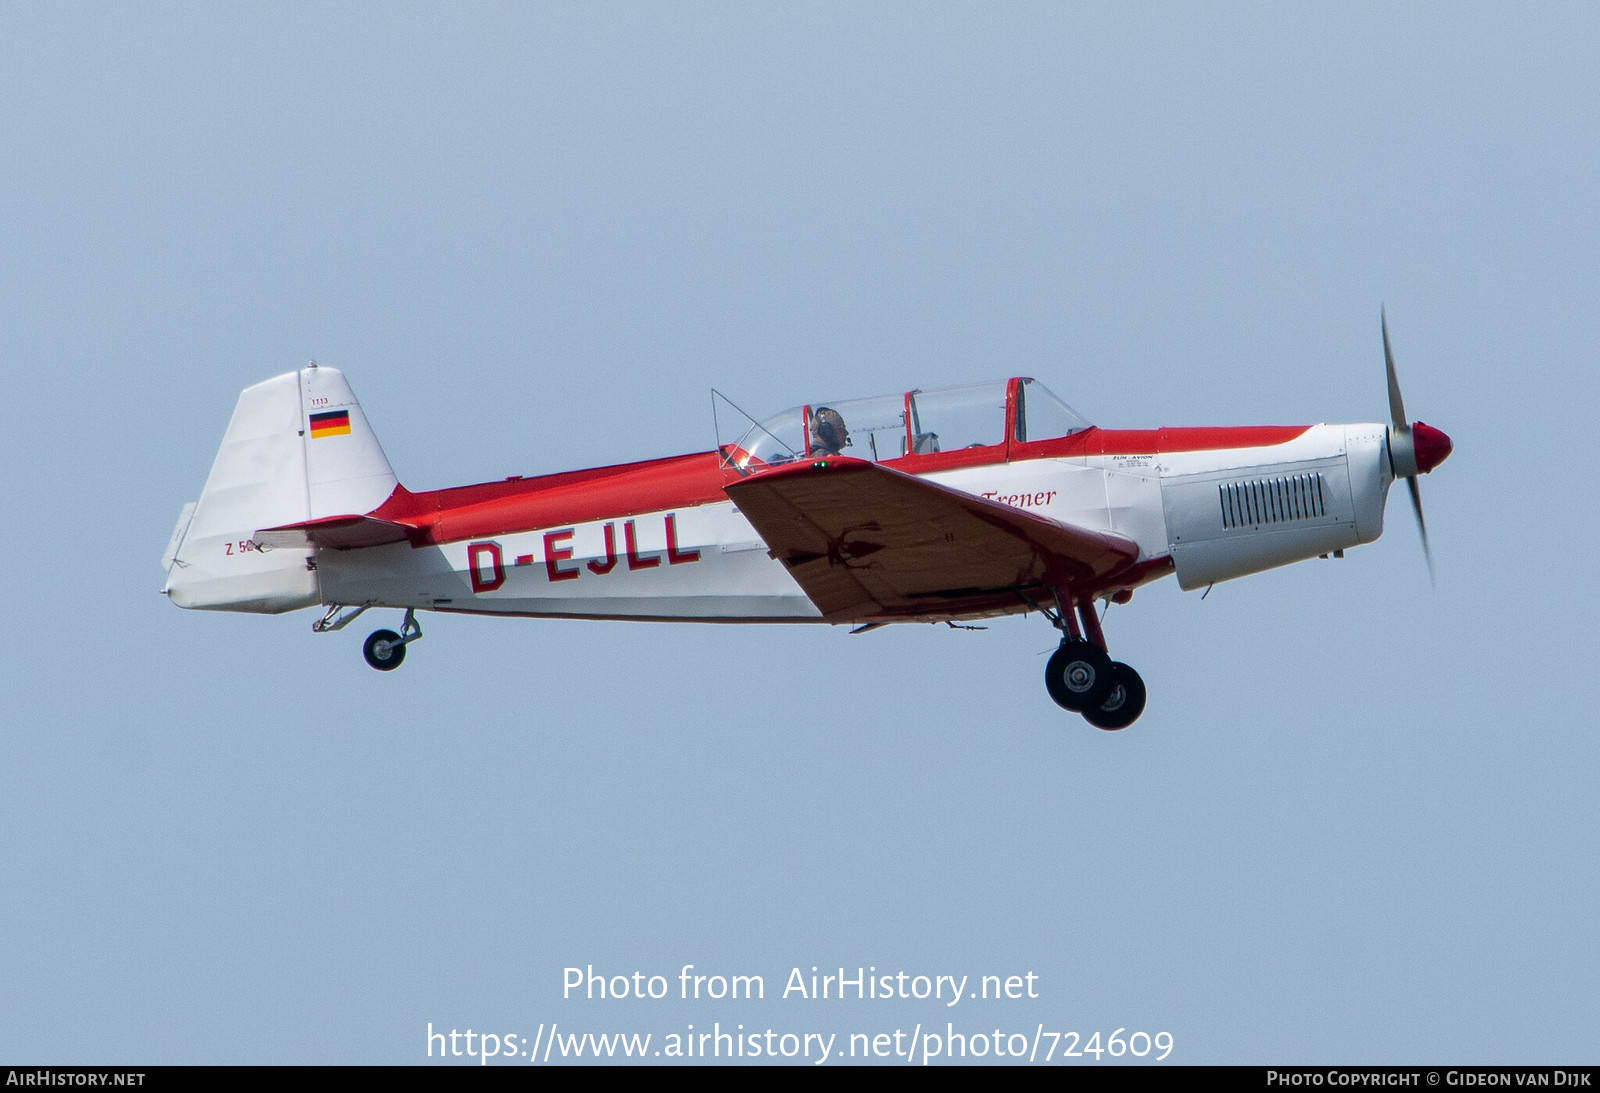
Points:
(347, 473)
(297, 448)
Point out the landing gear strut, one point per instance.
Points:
(385, 650)
(1081, 677)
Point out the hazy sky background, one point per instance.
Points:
(1357, 820)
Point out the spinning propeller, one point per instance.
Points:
(1414, 448)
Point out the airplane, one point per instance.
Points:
(949, 505)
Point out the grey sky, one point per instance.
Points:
(1356, 822)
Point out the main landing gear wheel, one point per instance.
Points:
(1079, 676)
(384, 650)
(1123, 705)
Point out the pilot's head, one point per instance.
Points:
(828, 434)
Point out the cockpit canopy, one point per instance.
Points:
(916, 423)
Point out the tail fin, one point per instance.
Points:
(298, 448)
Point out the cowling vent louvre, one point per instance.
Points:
(1266, 501)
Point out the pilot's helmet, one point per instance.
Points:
(827, 426)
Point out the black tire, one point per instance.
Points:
(384, 650)
(1123, 705)
(1078, 676)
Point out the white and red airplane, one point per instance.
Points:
(926, 506)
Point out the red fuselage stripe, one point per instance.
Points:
(683, 481)
(556, 500)
(1095, 441)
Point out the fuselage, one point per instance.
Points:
(659, 540)
(302, 507)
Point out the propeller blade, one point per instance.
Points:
(1397, 406)
(1422, 526)
(1404, 442)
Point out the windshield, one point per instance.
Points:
(1042, 416)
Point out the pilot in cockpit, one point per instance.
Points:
(828, 434)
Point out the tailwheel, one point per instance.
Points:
(384, 650)
(1123, 705)
(1079, 676)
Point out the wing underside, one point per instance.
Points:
(866, 542)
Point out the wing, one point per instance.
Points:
(865, 541)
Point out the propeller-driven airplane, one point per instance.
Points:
(925, 506)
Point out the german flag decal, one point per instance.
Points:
(331, 423)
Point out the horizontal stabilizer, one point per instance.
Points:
(335, 533)
(178, 532)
